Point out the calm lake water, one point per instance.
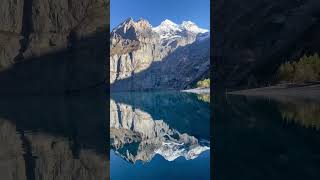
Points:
(159, 135)
(53, 138)
(164, 135)
(266, 138)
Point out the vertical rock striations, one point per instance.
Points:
(52, 46)
(145, 57)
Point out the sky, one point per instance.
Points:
(156, 11)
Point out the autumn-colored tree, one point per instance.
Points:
(306, 69)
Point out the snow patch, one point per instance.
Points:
(172, 150)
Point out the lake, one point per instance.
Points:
(159, 135)
(266, 138)
(44, 137)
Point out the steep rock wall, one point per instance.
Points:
(52, 46)
(143, 58)
(252, 38)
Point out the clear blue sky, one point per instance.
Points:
(155, 11)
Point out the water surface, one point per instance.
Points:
(159, 135)
(45, 137)
(266, 138)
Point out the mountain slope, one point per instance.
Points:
(252, 38)
(52, 46)
(140, 54)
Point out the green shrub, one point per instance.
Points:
(307, 68)
(203, 83)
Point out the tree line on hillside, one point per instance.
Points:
(306, 69)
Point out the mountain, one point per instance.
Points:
(170, 30)
(252, 38)
(140, 55)
(52, 46)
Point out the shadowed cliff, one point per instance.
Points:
(252, 38)
(53, 47)
(79, 67)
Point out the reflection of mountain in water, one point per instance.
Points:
(52, 138)
(145, 124)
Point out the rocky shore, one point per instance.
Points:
(303, 91)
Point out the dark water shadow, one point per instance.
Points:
(47, 133)
(80, 66)
(263, 138)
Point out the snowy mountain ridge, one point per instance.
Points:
(169, 29)
(166, 29)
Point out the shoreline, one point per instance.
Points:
(197, 90)
(299, 91)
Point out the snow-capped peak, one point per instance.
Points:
(168, 29)
(168, 23)
(167, 26)
(191, 26)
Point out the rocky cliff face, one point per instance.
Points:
(52, 46)
(135, 136)
(251, 38)
(145, 57)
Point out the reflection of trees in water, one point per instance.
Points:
(254, 142)
(204, 97)
(305, 113)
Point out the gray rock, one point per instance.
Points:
(57, 46)
(144, 58)
(11, 15)
(9, 48)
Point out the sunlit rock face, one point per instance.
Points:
(136, 136)
(145, 57)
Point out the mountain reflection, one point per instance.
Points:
(53, 138)
(169, 124)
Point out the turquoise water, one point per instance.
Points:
(159, 135)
